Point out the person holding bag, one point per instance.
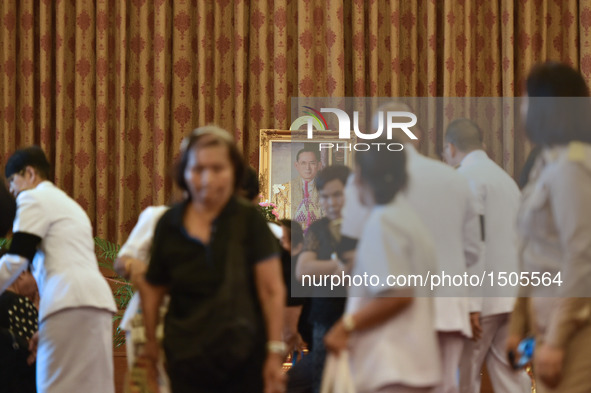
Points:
(554, 228)
(389, 331)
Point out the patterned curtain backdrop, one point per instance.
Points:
(109, 87)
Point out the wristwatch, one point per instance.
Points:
(277, 347)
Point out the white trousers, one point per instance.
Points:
(450, 346)
(75, 352)
(491, 348)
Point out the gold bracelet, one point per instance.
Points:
(277, 347)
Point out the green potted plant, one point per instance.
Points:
(106, 253)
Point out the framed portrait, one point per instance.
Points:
(278, 150)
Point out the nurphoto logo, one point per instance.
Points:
(386, 121)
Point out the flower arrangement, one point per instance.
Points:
(269, 210)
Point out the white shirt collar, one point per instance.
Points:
(474, 155)
(44, 184)
(410, 148)
(310, 183)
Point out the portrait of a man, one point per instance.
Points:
(298, 198)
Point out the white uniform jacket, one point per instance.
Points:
(497, 200)
(443, 200)
(65, 265)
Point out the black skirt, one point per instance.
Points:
(190, 376)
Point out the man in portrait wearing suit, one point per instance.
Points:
(298, 199)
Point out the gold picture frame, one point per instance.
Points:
(277, 154)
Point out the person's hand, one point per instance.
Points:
(476, 327)
(292, 339)
(151, 351)
(511, 348)
(348, 267)
(348, 258)
(273, 375)
(548, 362)
(337, 338)
(136, 271)
(148, 360)
(341, 267)
(300, 344)
(151, 373)
(33, 349)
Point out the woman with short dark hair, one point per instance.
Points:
(554, 226)
(556, 105)
(216, 257)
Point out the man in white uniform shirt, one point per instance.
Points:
(54, 234)
(443, 201)
(498, 199)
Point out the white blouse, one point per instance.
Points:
(138, 246)
(404, 349)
